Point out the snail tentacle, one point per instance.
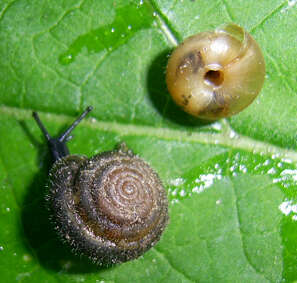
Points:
(58, 145)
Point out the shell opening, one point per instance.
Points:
(214, 77)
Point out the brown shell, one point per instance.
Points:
(216, 74)
(111, 207)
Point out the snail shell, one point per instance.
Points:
(111, 207)
(216, 74)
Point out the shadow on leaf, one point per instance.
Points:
(161, 99)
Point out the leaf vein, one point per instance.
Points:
(88, 76)
(58, 74)
(165, 258)
(67, 12)
(257, 271)
(268, 16)
(252, 189)
(165, 26)
(227, 8)
(279, 72)
(4, 10)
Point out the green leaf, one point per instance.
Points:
(231, 183)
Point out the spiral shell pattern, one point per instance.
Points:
(111, 207)
(216, 74)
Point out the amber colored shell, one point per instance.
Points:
(216, 74)
(111, 207)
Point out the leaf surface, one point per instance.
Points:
(231, 183)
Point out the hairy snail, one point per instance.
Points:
(216, 74)
(111, 207)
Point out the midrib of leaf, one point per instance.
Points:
(227, 137)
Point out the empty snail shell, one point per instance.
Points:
(111, 207)
(216, 74)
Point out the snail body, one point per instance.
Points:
(111, 207)
(216, 74)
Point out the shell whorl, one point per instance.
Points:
(111, 207)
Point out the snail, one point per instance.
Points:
(216, 74)
(111, 207)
